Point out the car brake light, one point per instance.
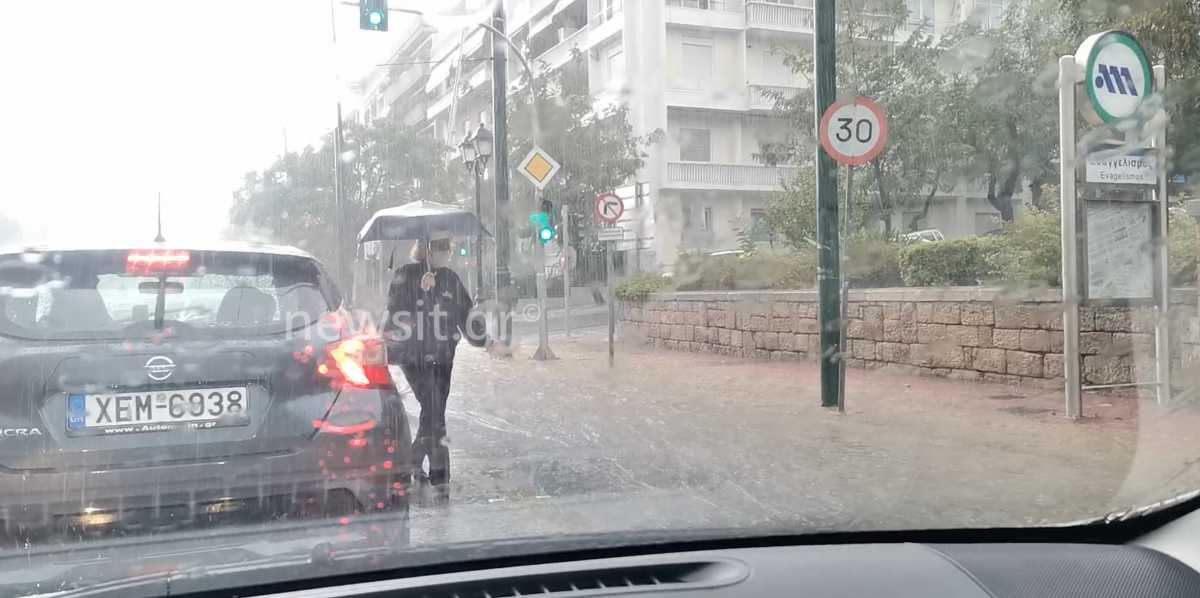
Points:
(156, 261)
(358, 361)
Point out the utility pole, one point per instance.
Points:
(829, 247)
(339, 266)
(337, 201)
(505, 295)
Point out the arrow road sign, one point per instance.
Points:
(854, 131)
(609, 207)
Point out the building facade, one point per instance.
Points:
(704, 72)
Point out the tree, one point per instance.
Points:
(880, 58)
(596, 147)
(383, 164)
(792, 213)
(1169, 30)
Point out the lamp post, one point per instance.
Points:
(476, 151)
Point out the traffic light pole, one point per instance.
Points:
(543, 352)
(829, 248)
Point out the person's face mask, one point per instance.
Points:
(440, 258)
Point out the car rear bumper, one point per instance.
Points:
(328, 476)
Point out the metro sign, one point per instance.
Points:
(1117, 75)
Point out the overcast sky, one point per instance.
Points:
(106, 102)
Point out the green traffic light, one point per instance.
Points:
(375, 17)
(541, 222)
(462, 251)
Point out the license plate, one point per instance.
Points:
(159, 411)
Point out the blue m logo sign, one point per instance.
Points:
(1115, 80)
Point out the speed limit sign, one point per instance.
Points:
(854, 131)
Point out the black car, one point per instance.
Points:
(163, 387)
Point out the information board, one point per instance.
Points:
(1120, 250)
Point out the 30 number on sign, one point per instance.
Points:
(854, 131)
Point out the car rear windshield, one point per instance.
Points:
(109, 294)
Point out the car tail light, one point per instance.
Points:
(157, 261)
(358, 361)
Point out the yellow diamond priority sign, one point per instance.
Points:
(538, 167)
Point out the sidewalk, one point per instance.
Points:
(927, 447)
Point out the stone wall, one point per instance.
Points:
(969, 333)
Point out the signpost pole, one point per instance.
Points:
(1162, 342)
(1067, 78)
(566, 268)
(829, 249)
(612, 309)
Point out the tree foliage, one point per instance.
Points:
(978, 107)
(383, 164)
(595, 145)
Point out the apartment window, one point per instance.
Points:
(616, 64)
(920, 13)
(759, 230)
(694, 145)
(993, 15)
(706, 221)
(611, 8)
(697, 64)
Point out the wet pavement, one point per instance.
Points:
(667, 440)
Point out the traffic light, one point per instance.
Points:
(463, 251)
(543, 229)
(373, 15)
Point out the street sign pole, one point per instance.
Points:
(612, 309)
(566, 268)
(1068, 77)
(1162, 342)
(609, 209)
(829, 266)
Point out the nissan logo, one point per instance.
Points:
(160, 367)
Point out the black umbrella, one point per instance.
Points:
(417, 220)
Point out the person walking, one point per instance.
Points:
(429, 312)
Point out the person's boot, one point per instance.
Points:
(439, 495)
(419, 492)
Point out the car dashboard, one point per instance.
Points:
(1009, 570)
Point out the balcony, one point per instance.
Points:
(762, 97)
(720, 14)
(732, 177)
(605, 23)
(769, 15)
(560, 53)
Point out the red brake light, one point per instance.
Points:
(359, 361)
(156, 261)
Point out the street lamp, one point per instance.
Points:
(476, 150)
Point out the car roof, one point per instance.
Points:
(227, 246)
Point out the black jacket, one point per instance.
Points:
(425, 326)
